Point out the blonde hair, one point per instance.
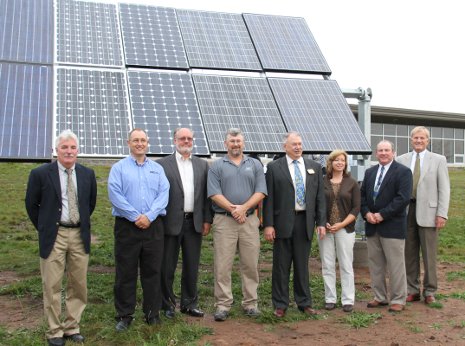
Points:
(330, 159)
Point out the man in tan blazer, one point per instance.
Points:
(427, 214)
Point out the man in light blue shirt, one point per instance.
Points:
(138, 190)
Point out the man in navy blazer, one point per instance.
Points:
(289, 225)
(62, 243)
(188, 218)
(385, 193)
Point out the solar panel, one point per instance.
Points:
(162, 102)
(285, 44)
(26, 28)
(151, 37)
(243, 102)
(94, 105)
(217, 40)
(318, 110)
(88, 34)
(25, 111)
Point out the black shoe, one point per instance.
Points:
(195, 312)
(347, 308)
(153, 321)
(77, 338)
(169, 313)
(56, 341)
(123, 324)
(330, 306)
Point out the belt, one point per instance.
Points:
(69, 225)
(188, 216)
(413, 200)
(299, 212)
(227, 213)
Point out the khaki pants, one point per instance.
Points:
(228, 235)
(68, 254)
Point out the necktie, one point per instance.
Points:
(416, 176)
(378, 183)
(299, 185)
(73, 209)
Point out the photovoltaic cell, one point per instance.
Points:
(94, 105)
(285, 44)
(26, 31)
(25, 111)
(318, 110)
(240, 102)
(151, 37)
(162, 102)
(217, 40)
(88, 34)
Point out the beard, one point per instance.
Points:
(184, 150)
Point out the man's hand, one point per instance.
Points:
(321, 231)
(440, 222)
(239, 213)
(206, 228)
(269, 234)
(142, 222)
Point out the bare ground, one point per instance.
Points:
(417, 325)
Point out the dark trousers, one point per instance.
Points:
(294, 250)
(138, 249)
(190, 242)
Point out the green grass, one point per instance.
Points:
(19, 253)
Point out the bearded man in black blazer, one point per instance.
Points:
(290, 220)
(64, 234)
(188, 218)
(385, 195)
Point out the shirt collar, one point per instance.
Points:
(137, 163)
(422, 154)
(289, 160)
(181, 158)
(63, 168)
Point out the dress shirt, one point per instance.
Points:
(414, 158)
(136, 189)
(64, 191)
(186, 171)
(301, 164)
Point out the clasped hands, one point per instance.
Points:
(374, 218)
(239, 212)
(142, 222)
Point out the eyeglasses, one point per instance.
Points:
(183, 139)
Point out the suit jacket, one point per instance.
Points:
(433, 189)
(43, 203)
(278, 206)
(391, 202)
(175, 210)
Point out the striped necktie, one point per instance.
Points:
(378, 183)
(299, 184)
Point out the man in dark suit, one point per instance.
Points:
(385, 193)
(188, 217)
(60, 198)
(294, 206)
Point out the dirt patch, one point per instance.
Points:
(418, 324)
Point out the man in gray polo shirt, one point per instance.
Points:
(236, 184)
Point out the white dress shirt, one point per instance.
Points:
(186, 171)
(64, 190)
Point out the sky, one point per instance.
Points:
(411, 53)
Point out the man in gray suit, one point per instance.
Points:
(427, 214)
(289, 219)
(188, 217)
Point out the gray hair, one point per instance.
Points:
(393, 147)
(177, 129)
(234, 132)
(290, 133)
(66, 135)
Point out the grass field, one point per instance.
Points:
(19, 253)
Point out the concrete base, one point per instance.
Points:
(360, 254)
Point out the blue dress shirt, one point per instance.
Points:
(136, 189)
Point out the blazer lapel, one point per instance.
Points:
(285, 170)
(426, 165)
(174, 167)
(55, 178)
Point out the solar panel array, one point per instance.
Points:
(94, 105)
(217, 40)
(317, 109)
(26, 28)
(162, 102)
(151, 37)
(285, 44)
(243, 102)
(88, 34)
(117, 67)
(25, 111)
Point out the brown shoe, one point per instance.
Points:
(396, 308)
(375, 304)
(279, 313)
(429, 300)
(308, 311)
(413, 298)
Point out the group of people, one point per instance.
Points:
(167, 206)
